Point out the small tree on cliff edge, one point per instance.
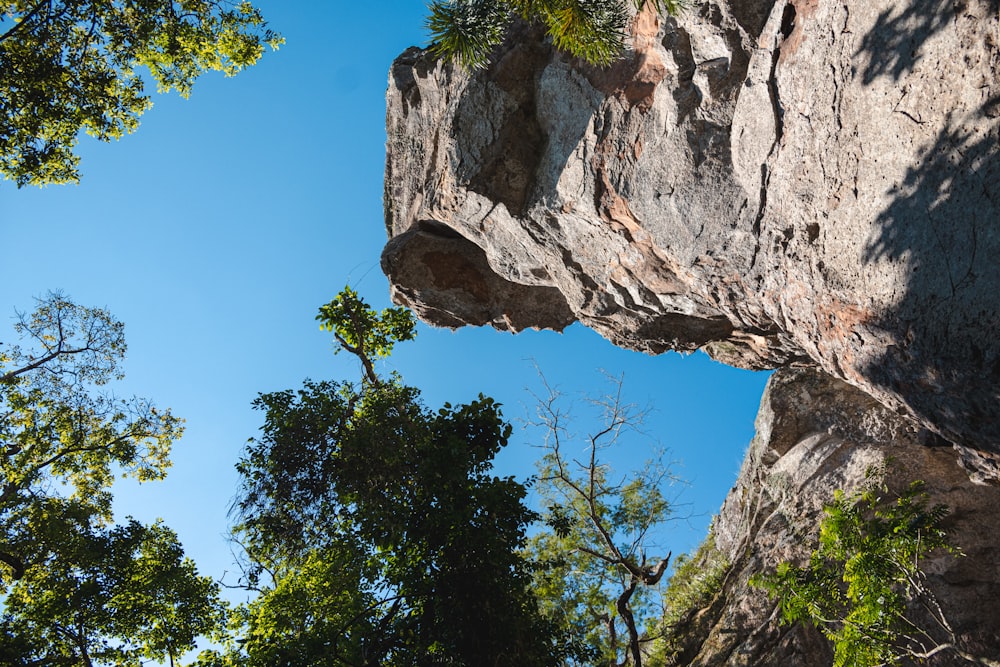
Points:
(469, 30)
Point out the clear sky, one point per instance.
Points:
(217, 230)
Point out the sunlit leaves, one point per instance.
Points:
(696, 579)
(467, 31)
(590, 29)
(861, 582)
(68, 66)
(318, 612)
(57, 424)
(79, 590)
(118, 595)
(362, 331)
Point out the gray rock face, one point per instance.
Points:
(816, 434)
(800, 183)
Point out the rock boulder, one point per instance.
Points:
(800, 183)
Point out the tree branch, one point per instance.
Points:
(24, 19)
(14, 563)
(8, 377)
(625, 611)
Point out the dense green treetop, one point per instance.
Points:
(98, 595)
(373, 529)
(77, 589)
(72, 66)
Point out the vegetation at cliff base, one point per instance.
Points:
(72, 66)
(864, 585)
(696, 580)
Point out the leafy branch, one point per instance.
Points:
(864, 586)
(599, 529)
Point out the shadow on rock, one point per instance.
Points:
(893, 46)
(943, 225)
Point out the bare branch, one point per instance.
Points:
(585, 490)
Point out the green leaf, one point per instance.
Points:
(859, 584)
(72, 68)
(71, 579)
(362, 331)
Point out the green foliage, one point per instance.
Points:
(695, 581)
(861, 583)
(68, 66)
(696, 578)
(78, 590)
(574, 594)
(58, 427)
(113, 596)
(373, 528)
(469, 30)
(360, 330)
(594, 578)
(313, 614)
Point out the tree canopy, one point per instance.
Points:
(374, 531)
(72, 66)
(79, 590)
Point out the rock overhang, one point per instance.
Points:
(763, 182)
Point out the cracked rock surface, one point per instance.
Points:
(816, 434)
(800, 183)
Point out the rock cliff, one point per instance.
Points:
(815, 434)
(802, 185)
(796, 183)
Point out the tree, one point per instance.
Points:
(68, 66)
(470, 30)
(595, 574)
(374, 531)
(77, 589)
(117, 595)
(864, 586)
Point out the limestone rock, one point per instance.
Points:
(816, 434)
(796, 183)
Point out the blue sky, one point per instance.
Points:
(217, 230)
